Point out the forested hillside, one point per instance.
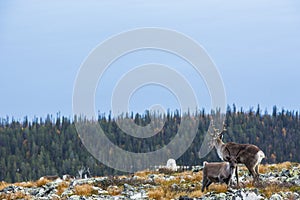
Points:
(51, 146)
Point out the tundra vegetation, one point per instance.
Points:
(281, 179)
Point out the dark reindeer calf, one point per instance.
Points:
(218, 172)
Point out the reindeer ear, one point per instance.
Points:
(221, 136)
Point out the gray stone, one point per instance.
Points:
(256, 191)
(139, 195)
(221, 195)
(240, 194)
(10, 189)
(296, 181)
(285, 172)
(295, 171)
(174, 187)
(135, 178)
(296, 195)
(169, 178)
(276, 197)
(68, 192)
(152, 176)
(197, 168)
(253, 196)
(54, 196)
(184, 198)
(128, 187)
(75, 197)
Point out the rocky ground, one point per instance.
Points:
(280, 181)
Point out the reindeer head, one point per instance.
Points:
(213, 134)
(221, 134)
(216, 134)
(232, 161)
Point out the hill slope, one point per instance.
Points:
(278, 181)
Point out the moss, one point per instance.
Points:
(295, 188)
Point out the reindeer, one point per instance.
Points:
(218, 172)
(247, 154)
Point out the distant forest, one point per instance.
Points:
(51, 146)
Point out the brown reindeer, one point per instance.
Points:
(218, 172)
(247, 154)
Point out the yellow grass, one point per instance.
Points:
(247, 184)
(190, 176)
(16, 195)
(157, 193)
(62, 187)
(114, 190)
(122, 177)
(266, 168)
(295, 188)
(165, 191)
(84, 190)
(218, 188)
(4, 185)
(263, 169)
(196, 193)
(174, 194)
(275, 167)
(242, 168)
(41, 182)
(197, 176)
(143, 174)
(27, 184)
(272, 189)
(286, 165)
(161, 181)
(162, 192)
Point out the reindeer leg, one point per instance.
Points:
(256, 169)
(208, 184)
(204, 183)
(237, 176)
(252, 171)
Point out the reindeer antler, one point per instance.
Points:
(224, 127)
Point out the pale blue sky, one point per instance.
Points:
(254, 44)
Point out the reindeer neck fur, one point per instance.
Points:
(219, 145)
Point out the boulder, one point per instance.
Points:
(171, 164)
(276, 197)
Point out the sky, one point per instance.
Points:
(255, 46)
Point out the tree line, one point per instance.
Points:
(51, 146)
